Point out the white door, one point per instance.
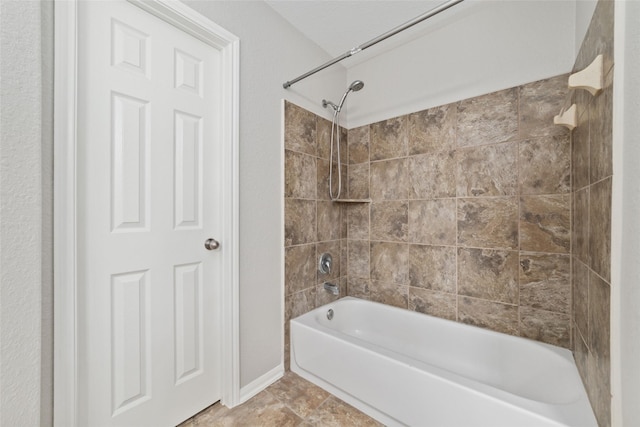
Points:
(149, 189)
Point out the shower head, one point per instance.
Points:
(356, 85)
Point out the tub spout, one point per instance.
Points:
(330, 287)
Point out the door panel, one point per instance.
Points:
(149, 292)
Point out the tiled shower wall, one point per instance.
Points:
(591, 238)
(471, 215)
(470, 218)
(313, 224)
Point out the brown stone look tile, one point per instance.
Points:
(344, 146)
(334, 249)
(599, 359)
(389, 180)
(599, 315)
(261, 410)
(299, 175)
(432, 130)
(488, 274)
(390, 262)
(545, 165)
(488, 222)
(359, 181)
(188, 423)
(299, 268)
(298, 394)
(580, 153)
(344, 194)
(358, 263)
(300, 221)
(323, 181)
(300, 129)
(599, 38)
(322, 192)
(488, 314)
(287, 348)
(336, 413)
(580, 354)
(389, 293)
(323, 136)
(433, 267)
(359, 145)
(344, 226)
(344, 257)
(358, 221)
(487, 170)
(299, 303)
(545, 326)
(600, 228)
(600, 133)
(580, 292)
(358, 288)
(329, 221)
(389, 139)
(599, 389)
(488, 119)
(208, 416)
(432, 175)
(539, 102)
(439, 304)
(545, 223)
(432, 222)
(389, 221)
(580, 223)
(545, 282)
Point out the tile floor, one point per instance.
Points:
(291, 401)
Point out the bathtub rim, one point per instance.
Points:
(541, 409)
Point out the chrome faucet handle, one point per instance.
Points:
(325, 262)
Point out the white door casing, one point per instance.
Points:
(146, 170)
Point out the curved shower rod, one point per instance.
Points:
(396, 30)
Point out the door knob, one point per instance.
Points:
(211, 244)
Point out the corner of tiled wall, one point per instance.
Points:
(592, 171)
(313, 224)
(470, 218)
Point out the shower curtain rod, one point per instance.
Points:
(396, 30)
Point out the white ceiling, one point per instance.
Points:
(338, 26)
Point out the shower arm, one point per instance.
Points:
(436, 10)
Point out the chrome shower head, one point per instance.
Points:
(356, 85)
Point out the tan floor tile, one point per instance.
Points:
(334, 412)
(207, 416)
(188, 423)
(298, 394)
(263, 410)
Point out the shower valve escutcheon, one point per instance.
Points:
(325, 262)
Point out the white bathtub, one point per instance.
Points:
(406, 368)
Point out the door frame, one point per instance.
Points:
(65, 203)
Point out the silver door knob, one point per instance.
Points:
(211, 244)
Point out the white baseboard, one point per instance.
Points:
(260, 383)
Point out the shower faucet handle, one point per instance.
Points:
(324, 265)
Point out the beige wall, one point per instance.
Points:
(271, 51)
